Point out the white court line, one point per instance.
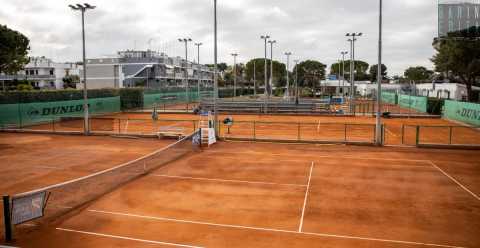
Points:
(309, 157)
(48, 167)
(272, 229)
(227, 180)
(127, 238)
(455, 181)
(306, 197)
(390, 132)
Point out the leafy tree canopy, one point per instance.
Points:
(279, 71)
(374, 72)
(310, 72)
(418, 73)
(14, 48)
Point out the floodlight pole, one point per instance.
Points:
(378, 126)
(287, 92)
(83, 8)
(343, 72)
(215, 68)
(234, 74)
(267, 96)
(352, 69)
(254, 79)
(270, 83)
(296, 81)
(199, 69)
(186, 40)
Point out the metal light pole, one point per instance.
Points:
(265, 38)
(378, 126)
(270, 84)
(83, 8)
(199, 68)
(234, 74)
(352, 69)
(343, 72)
(254, 79)
(287, 92)
(215, 67)
(186, 40)
(296, 81)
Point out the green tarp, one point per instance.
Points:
(389, 97)
(418, 103)
(24, 114)
(150, 100)
(462, 111)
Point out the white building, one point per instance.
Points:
(43, 73)
(445, 90)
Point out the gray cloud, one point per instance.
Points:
(311, 29)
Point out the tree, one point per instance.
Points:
(14, 48)
(459, 59)
(279, 72)
(310, 73)
(70, 81)
(374, 72)
(418, 73)
(360, 70)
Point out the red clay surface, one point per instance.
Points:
(398, 131)
(275, 195)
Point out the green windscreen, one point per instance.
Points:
(462, 111)
(418, 103)
(389, 97)
(25, 114)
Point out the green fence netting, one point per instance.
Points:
(418, 103)
(389, 97)
(25, 114)
(462, 111)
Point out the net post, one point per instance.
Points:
(450, 136)
(403, 134)
(7, 218)
(417, 136)
(298, 132)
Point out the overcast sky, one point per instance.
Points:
(310, 29)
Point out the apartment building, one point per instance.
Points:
(145, 69)
(457, 15)
(43, 73)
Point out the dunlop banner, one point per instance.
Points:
(389, 97)
(25, 114)
(462, 111)
(418, 103)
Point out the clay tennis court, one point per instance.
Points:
(275, 195)
(358, 129)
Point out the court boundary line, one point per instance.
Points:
(126, 238)
(320, 156)
(455, 181)
(227, 180)
(300, 227)
(271, 229)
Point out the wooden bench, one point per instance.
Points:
(171, 132)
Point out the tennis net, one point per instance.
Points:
(57, 200)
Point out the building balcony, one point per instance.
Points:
(27, 77)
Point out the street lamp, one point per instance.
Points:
(270, 84)
(287, 92)
(343, 71)
(83, 8)
(199, 68)
(352, 68)
(265, 38)
(215, 67)
(378, 123)
(234, 74)
(296, 80)
(186, 40)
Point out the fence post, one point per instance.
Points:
(417, 136)
(450, 136)
(345, 132)
(383, 138)
(7, 218)
(53, 124)
(119, 125)
(194, 125)
(254, 130)
(403, 134)
(298, 132)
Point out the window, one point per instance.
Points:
(51, 71)
(459, 12)
(36, 72)
(477, 12)
(450, 14)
